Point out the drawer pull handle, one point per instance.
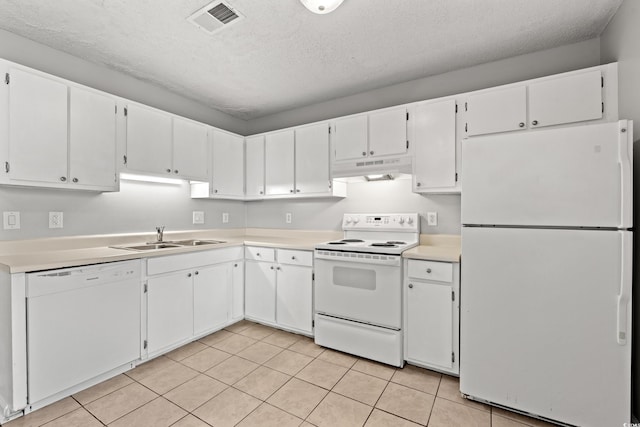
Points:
(521, 124)
(189, 275)
(293, 258)
(428, 270)
(197, 272)
(410, 285)
(535, 122)
(271, 267)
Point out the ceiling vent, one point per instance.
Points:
(215, 16)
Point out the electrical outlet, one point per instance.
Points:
(198, 217)
(225, 217)
(287, 217)
(11, 220)
(432, 218)
(55, 220)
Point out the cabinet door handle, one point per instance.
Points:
(418, 184)
(410, 285)
(197, 272)
(521, 124)
(189, 275)
(168, 170)
(278, 268)
(535, 122)
(293, 258)
(364, 153)
(297, 190)
(258, 254)
(371, 152)
(175, 171)
(271, 267)
(290, 191)
(261, 192)
(428, 270)
(63, 178)
(215, 191)
(235, 265)
(75, 180)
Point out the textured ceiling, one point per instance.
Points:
(282, 56)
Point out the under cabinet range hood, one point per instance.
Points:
(382, 166)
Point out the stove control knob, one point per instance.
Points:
(401, 220)
(355, 220)
(409, 220)
(348, 220)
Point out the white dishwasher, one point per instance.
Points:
(82, 322)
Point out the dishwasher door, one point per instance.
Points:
(81, 322)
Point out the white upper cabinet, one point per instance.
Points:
(312, 159)
(350, 138)
(254, 175)
(37, 128)
(567, 99)
(149, 145)
(92, 139)
(227, 177)
(434, 166)
(499, 110)
(388, 132)
(190, 149)
(279, 163)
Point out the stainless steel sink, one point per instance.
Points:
(150, 246)
(196, 242)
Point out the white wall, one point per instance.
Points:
(138, 207)
(35, 55)
(362, 197)
(621, 42)
(529, 66)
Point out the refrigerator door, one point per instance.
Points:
(545, 316)
(568, 177)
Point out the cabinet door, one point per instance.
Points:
(435, 145)
(211, 297)
(169, 310)
(227, 176)
(237, 290)
(566, 99)
(429, 329)
(92, 138)
(254, 174)
(294, 297)
(190, 149)
(37, 128)
(312, 159)
(260, 291)
(497, 111)
(388, 132)
(279, 161)
(149, 134)
(350, 138)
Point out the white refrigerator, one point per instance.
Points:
(546, 272)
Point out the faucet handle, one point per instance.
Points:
(160, 229)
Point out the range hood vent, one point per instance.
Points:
(215, 16)
(393, 165)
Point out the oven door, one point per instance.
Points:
(359, 286)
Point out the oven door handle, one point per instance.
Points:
(358, 257)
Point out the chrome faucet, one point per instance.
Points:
(159, 233)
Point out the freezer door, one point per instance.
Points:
(576, 176)
(545, 317)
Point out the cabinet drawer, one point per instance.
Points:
(259, 254)
(431, 270)
(286, 256)
(165, 264)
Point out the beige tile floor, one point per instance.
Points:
(253, 375)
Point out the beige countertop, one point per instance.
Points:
(20, 256)
(436, 248)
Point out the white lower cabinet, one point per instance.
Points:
(431, 314)
(279, 288)
(190, 295)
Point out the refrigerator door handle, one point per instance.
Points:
(625, 286)
(625, 147)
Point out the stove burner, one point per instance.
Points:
(384, 245)
(352, 240)
(396, 242)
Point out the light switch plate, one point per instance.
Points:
(198, 217)
(11, 220)
(432, 218)
(55, 220)
(225, 217)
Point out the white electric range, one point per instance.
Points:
(358, 286)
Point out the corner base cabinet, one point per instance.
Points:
(431, 314)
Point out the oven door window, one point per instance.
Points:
(354, 278)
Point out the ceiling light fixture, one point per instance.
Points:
(321, 7)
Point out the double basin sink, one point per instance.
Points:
(170, 244)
